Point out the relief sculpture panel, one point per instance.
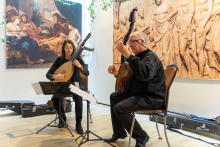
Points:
(179, 32)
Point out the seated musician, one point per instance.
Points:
(67, 50)
(147, 89)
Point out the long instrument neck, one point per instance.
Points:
(76, 54)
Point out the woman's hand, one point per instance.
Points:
(59, 76)
(112, 70)
(76, 62)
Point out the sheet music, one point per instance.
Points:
(76, 84)
(37, 88)
(83, 94)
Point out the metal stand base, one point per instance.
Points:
(60, 119)
(88, 131)
(56, 126)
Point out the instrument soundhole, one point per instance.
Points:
(63, 72)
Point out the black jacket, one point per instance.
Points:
(76, 74)
(149, 78)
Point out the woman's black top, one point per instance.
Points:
(76, 74)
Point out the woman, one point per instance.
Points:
(67, 50)
(22, 42)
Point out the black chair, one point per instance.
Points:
(170, 74)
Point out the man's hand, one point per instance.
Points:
(112, 70)
(59, 76)
(76, 62)
(123, 50)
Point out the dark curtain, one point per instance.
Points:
(72, 13)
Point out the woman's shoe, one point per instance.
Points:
(61, 124)
(79, 129)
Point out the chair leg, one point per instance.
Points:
(90, 115)
(157, 128)
(55, 118)
(65, 104)
(165, 131)
(131, 131)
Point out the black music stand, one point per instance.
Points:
(61, 88)
(86, 133)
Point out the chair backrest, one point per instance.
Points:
(85, 79)
(170, 74)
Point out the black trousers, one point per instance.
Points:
(78, 106)
(121, 108)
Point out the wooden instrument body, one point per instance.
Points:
(67, 69)
(124, 79)
(125, 74)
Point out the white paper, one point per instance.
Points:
(37, 88)
(76, 84)
(82, 93)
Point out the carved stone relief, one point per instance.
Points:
(181, 32)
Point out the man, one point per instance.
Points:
(147, 89)
(29, 28)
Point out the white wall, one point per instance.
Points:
(100, 82)
(199, 97)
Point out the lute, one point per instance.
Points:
(125, 73)
(68, 67)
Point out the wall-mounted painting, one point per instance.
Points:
(184, 32)
(36, 30)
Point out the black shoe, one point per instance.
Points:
(114, 138)
(79, 129)
(142, 144)
(61, 124)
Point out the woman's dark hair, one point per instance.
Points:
(64, 44)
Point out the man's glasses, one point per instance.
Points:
(132, 41)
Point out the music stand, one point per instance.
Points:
(86, 133)
(50, 88)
